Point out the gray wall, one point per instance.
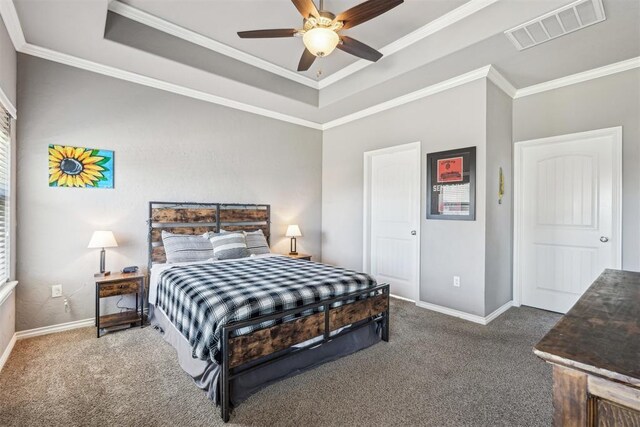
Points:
(7, 65)
(498, 244)
(605, 102)
(452, 119)
(167, 147)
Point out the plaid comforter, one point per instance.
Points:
(199, 299)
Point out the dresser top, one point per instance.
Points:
(601, 333)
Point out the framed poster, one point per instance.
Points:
(451, 184)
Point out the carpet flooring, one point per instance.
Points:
(436, 371)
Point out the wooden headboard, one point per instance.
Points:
(198, 218)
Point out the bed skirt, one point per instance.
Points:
(205, 373)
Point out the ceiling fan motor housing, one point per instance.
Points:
(325, 20)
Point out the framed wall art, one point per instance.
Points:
(80, 167)
(451, 184)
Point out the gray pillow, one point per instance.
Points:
(186, 248)
(256, 242)
(228, 245)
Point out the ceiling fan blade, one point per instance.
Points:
(366, 11)
(306, 60)
(354, 47)
(265, 34)
(306, 8)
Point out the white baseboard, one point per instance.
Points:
(45, 330)
(7, 351)
(498, 312)
(463, 315)
(401, 298)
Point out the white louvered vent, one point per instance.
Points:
(567, 19)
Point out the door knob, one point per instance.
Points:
(413, 232)
(604, 239)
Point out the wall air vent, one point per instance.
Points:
(567, 19)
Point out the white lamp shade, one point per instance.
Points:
(102, 239)
(320, 41)
(293, 231)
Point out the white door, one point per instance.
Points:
(392, 218)
(568, 215)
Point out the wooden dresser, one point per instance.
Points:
(595, 353)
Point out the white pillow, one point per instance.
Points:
(256, 242)
(229, 245)
(186, 248)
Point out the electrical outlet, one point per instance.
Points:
(56, 291)
(66, 306)
(456, 281)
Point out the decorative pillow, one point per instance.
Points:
(229, 245)
(256, 242)
(210, 234)
(186, 248)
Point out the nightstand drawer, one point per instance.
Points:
(110, 289)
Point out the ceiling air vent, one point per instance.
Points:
(567, 19)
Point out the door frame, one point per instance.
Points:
(616, 133)
(366, 214)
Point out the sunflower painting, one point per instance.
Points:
(80, 167)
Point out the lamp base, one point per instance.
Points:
(105, 274)
(293, 253)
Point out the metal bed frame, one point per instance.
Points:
(228, 373)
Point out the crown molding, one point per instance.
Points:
(584, 76)
(9, 16)
(183, 33)
(410, 97)
(12, 22)
(501, 81)
(488, 72)
(432, 27)
(107, 70)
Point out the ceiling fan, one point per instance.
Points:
(320, 30)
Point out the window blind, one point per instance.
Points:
(5, 162)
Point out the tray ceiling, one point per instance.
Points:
(221, 19)
(428, 43)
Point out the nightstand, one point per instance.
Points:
(117, 284)
(299, 256)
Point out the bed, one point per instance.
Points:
(239, 325)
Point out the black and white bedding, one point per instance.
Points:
(200, 298)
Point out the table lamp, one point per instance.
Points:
(102, 239)
(293, 231)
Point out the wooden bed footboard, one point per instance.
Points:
(239, 351)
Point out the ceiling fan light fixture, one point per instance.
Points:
(320, 30)
(320, 41)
